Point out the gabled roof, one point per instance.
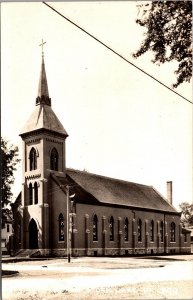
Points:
(17, 201)
(105, 190)
(43, 117)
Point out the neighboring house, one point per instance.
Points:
(6, 232)
(191, 238)
(190, 229)
(103, 216)
(17, 215)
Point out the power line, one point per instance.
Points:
(115, 52)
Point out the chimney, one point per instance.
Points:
(169, 191)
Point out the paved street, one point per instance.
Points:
(169, 277)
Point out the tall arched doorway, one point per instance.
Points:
(33, 235)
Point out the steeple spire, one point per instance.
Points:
(43, 94)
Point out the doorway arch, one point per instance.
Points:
(33, 235)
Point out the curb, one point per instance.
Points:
(20, 259)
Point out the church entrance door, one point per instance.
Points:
(33, 235)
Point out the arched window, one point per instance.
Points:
(152, 231)
(111, 229)
(172, 232)
(54, 160)
(36, 193)
(161, 231)
(139, 230)
(61, 227)
(33, 159)
(126, 229)
(30, 194)
(95, 228)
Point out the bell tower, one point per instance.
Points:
(44, 152)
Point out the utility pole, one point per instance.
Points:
(44, 233)
(67, 219)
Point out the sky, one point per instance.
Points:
(120, 122)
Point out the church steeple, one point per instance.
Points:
(43, 118)
(43, 94)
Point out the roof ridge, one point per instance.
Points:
(107, 177)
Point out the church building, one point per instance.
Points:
(64, 212)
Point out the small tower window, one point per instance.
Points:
(172, 232)
(54, 160)
(152, 231)
(162, 231)
(139, 229)
(61, 227)
(33, 159)
(126, 230)
(95, 228)
(111, 229)
(36, 193)
(30, 194)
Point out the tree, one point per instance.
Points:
(186, 214)
(168, 35)
(9, 160)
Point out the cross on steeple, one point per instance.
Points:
(42, 45)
